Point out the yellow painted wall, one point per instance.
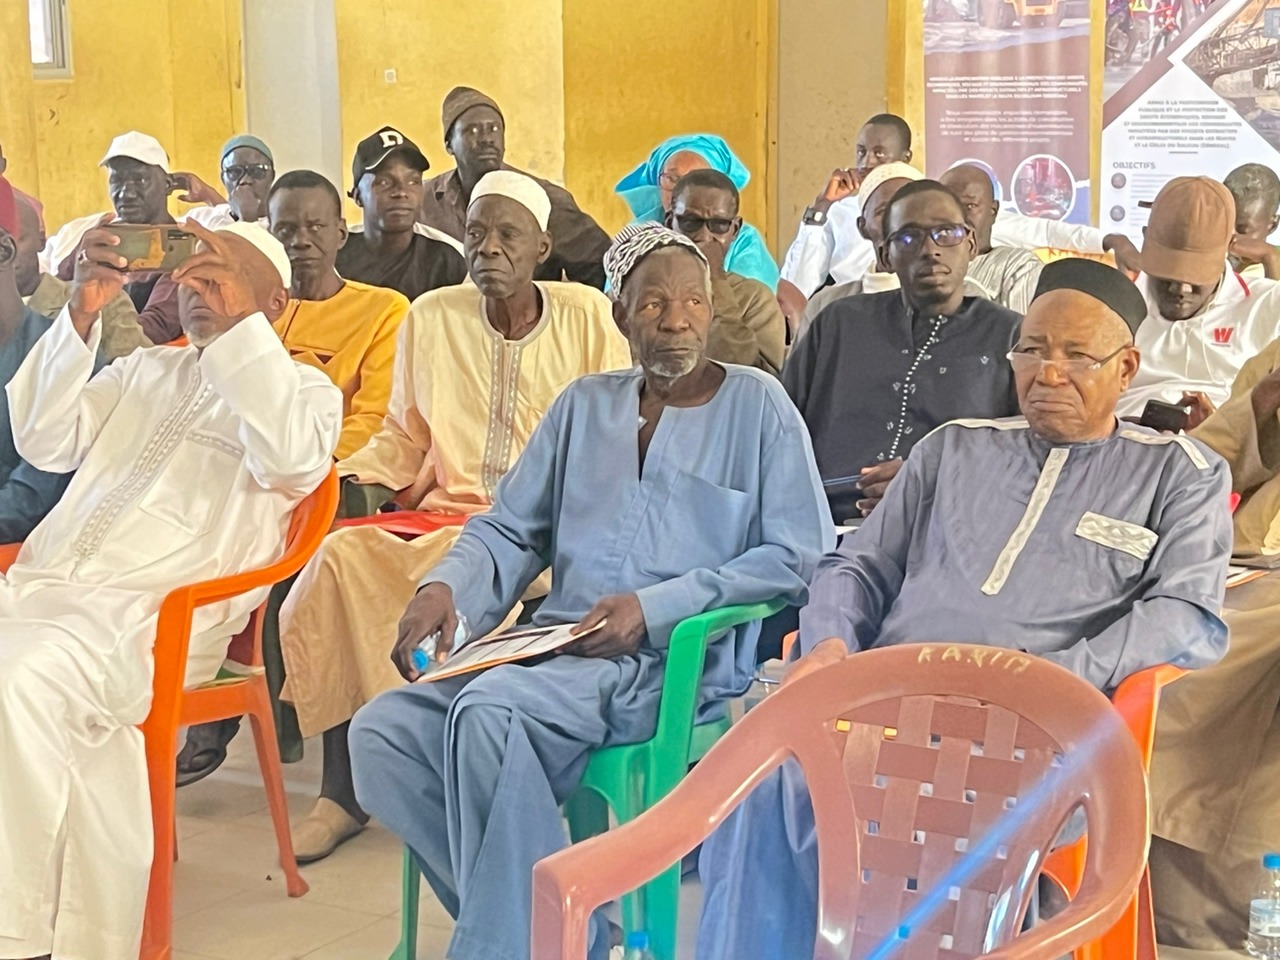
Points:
(17, 116)
(905, 70)
(587, 86)
(824, 95)
(634, 74)
(510, 49)
(170, 68)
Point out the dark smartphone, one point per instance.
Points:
(155, 248)
(1164, 416)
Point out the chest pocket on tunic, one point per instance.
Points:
(192, 488)
(1128, 545)
(703, 525)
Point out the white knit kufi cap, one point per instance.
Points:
(272, 248)
(516, 186)
(140, 147)
(897, 170)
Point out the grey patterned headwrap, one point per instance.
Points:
(636, 241)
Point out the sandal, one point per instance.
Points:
(205, 749)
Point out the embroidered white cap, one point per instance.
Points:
(525, 191)
(140, 147)
(271, 248)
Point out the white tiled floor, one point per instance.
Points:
(229, 896)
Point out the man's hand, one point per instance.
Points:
(792, 303)
(715, 252)
(843, 183)
(1199, 409)
(195, 190)
(874, 482)
(621, 635)
(1256, 251)
(228, 272)
(829, 651)
(430, 610)
(1128, 257)
(1265, 397)
(99, 276)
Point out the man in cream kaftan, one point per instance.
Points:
(470, 384)
(188, 464)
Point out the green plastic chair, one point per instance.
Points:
(630, 778)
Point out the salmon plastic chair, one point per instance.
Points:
(1137, 700)
(173, 706)
(940, 775)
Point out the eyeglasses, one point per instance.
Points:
(690, 225)
(944, 235)
(669, 180)
(1076, 367)
(255, 171)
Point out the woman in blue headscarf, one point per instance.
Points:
(647, 191)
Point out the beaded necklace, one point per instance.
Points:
(908, 385)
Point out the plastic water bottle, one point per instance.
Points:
(424, 655)
(1264, 913)
(637, 946)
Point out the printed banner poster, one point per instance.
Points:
(1007, 89)
(1192, 87)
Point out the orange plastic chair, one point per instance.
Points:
(926, 745)
(173, 706)
(8, 554)
(1137, 700)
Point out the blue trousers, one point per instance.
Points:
(759, 874)
(471, 772)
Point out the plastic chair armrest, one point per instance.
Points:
(173, 624)
(1084, 919)
(1138, 698)
(603, 868)
(8, 554)
(686, 654)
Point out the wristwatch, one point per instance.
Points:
(815, 216)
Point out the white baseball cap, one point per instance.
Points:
(140, 147)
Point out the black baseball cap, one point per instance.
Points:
(373, 149)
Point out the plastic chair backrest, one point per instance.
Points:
(307, 529)
(959, 765)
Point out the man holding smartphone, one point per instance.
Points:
(188, 464)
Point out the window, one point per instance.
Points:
(50, 46)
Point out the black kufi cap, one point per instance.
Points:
(1105, 284)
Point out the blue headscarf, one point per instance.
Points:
(747, 255)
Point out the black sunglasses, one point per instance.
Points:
(237, 171)
(689, 224)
